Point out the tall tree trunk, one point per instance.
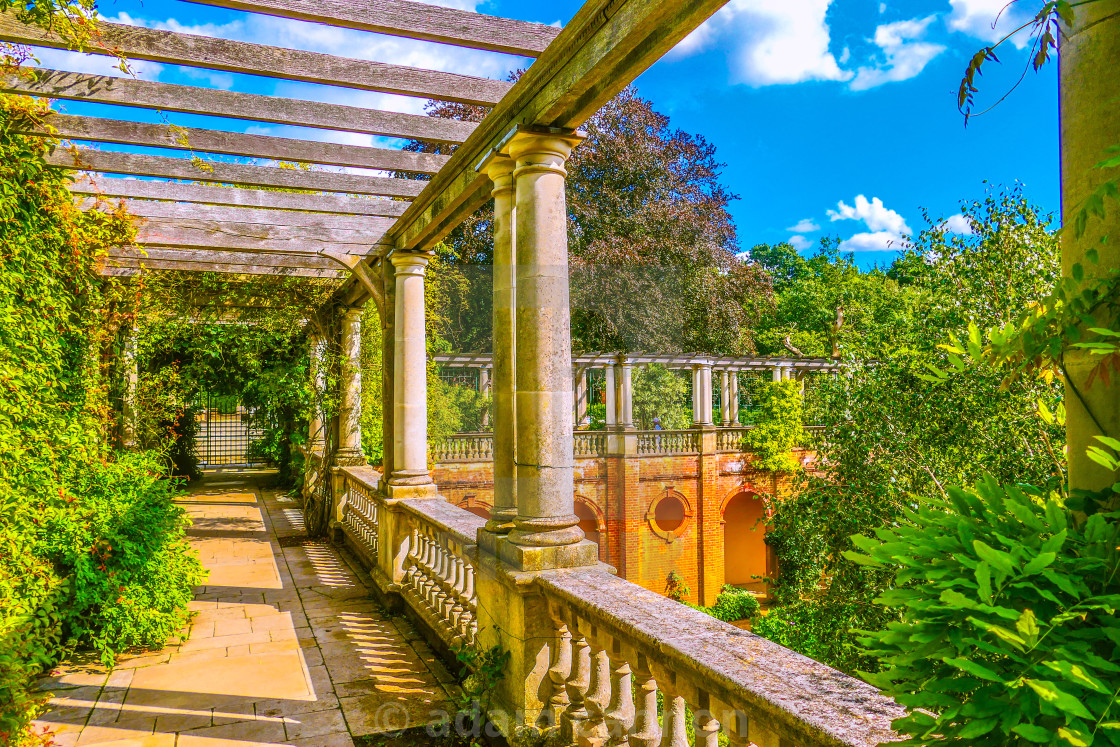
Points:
(1090, 123)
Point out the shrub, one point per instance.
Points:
(734, 604)
(818, 629)
(778, 426)
(1009, 633)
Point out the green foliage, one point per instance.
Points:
(91, 549)
(778, 426)
(480, 673)
(818, 629)
(733, 604)
(676, 588)
(660, 393)
(1009, 632)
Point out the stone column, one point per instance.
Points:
(733, 396)
(610, 398)
(545, 481)
(697, 396)
(483, 388)
(1089, 90)
(350, 390)
(581, 395)
(706, 379)
(503, 382)
(776, 372)
(724, 399)
(316, 433)
(410, 478)
(388, 357)
(131, 384)
(625, 395)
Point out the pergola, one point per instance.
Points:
(526, 581)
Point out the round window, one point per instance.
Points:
(669, 515)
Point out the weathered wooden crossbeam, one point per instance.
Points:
(201, 194)
(204, 256)
(136, 164)
(95, 129)
(369, 225)
(174, 48)
(134, 263)
(104, 89)
(412, 20)
(254, 237)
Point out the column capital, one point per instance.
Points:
(349, 313)
(410, 263)
(542, 150)
(499, 167)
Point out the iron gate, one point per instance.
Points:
(226, 433)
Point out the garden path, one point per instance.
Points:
(286, 647)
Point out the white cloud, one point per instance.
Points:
(904, 55)
(958, 224)
(876, 241)
(77, 62)
(805, 225)
(774, 43)
(876, 216)
(976, 18)
(800, 243)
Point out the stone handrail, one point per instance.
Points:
(465, 447)
(437, 574)
(356, 507)
(590, 443)
(616, 641)
(669, 442)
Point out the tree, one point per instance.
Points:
(652, 246)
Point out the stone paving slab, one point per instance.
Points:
(285, 647)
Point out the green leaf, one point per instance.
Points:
(1043, 560)
(1000, 560)
(974, 668)
(1058, 698)
(1076, 737)
(1027, 626)
(984, 581)
(977, 728)
(1037, 734)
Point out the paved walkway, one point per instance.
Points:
(286, 647)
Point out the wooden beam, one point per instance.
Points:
(602, 50)
(136, 164)
(306, 261)
(99, 130)
(104, 89)
(234, 269)
(212, 53)
(410, 19)
(253, 237)
(186, 211)
(235, 196)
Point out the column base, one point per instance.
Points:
(500, 521)
(349, 458)
(546, 531)
(528, 559)
(400, 492)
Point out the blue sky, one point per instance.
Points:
(834, 117)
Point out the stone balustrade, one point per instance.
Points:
(616, 648)
(590, 443)
(669, 442)
(731, 439)
(465, 447)
(616, 642)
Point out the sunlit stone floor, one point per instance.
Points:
(286, 646)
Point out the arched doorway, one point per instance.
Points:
(746, 557)
(590, 524)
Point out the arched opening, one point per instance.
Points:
(746, 557)
(479, 510)
(589, 523)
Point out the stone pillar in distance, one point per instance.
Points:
(503, 383)
(483, 388)
(610, 397)
(724, 399)
(626, 395)
(581, 395)
(350, 391)
(129, 436)
(316, 433)
(410, 477)
(733, 396)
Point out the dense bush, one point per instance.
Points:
(91, 547)
(734, 604)
(1009, 632)
(778, 426)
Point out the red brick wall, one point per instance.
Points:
(622, 490)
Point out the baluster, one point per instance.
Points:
(705, 728)
(598, 699)
(558, 674)
(439, 593)
(646, 731)
(575, 716)
(410, 562)
(457, 609)
(620, 712)
(674, 731)
(426, 570)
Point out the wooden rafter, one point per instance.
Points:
(174, 48)
(201, 194)
(201, 256)
(113, 162)
(254, 237)
(103, 89)
(188, 211)
(111, 263)
(412, 20)
(95, 129)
